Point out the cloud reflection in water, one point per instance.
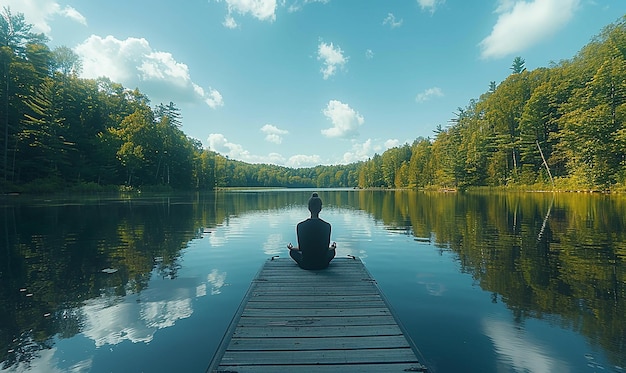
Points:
(517, 349)
(137, 317)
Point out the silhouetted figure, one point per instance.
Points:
(313, 251)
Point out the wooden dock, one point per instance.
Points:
(332, 320)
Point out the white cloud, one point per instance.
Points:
(369, 54)
(161, 66)
(133, 63)
(366, 150)
(40, 12)
(391, 21)
(345, 120)
(263, 10)
(273, 133)
(359, 152)
(229, 22)
(213, 98)
(272, 137)
(302, 160)
(522, 24)
(299, 4)
(392, 143)
(220, 144)
(428, 94)
(332, 57)
(73, 14)
(273, 158)
(430, 5)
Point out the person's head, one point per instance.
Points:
(315, 204)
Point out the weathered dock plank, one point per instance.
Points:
(319, 312)
(299, 320)
(316, 331)
(315, 321)
(353, 368)
(326, 357)
(343, 343)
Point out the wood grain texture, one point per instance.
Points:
(329, 320)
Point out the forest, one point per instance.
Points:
(559, 128)
(556, 128)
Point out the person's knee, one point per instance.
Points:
(295, 255)
(330, 255)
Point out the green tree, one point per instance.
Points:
(66, 61)
(474, 149)
(15, 39)
(391, 161)
(43, 136)
(503, 109)
(445, 158)
(595, 113)
(518, 66)
(539, 126)
(171, 111)
(135, 136)
(420, 165)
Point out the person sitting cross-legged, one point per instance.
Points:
(313, 251)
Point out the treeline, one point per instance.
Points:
(231, 173)
(560, 127)
(59, 130)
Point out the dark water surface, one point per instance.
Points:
(483, 283)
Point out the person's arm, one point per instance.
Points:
(334, 244)
(290, 246)
(301, 233)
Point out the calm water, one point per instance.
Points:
(483, 283)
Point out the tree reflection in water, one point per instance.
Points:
(558, 258)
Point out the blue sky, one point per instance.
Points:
(307, 82)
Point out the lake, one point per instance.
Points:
(482, 282)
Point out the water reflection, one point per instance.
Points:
(217, 280)
(274, 245)
(84, 268)
(136, 317)
(433, 288)
(112, 271)
(520, 351)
